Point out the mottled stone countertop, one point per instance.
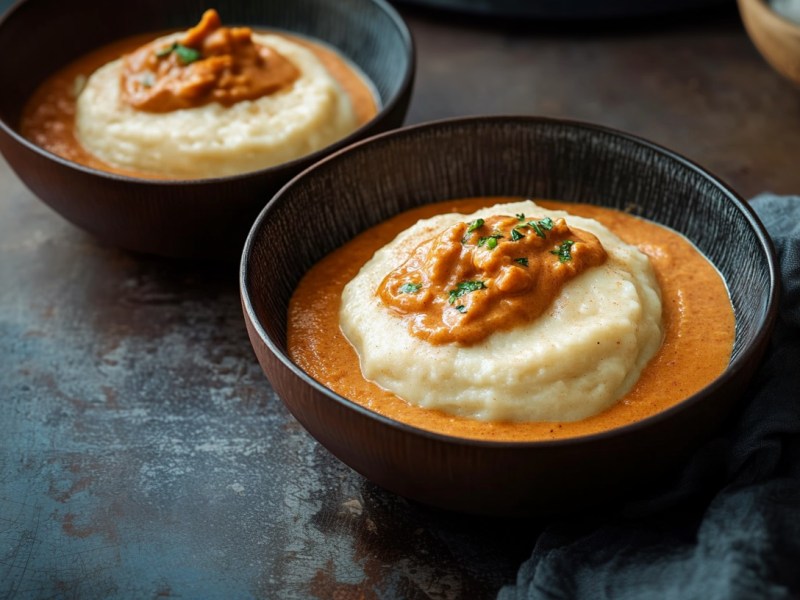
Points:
(142, 452)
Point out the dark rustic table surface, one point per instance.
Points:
(142, 452)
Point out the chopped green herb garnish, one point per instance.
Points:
(546, 223)
(523, 261)
(541, 226)
(185, 53)
(476, 224)
(563, 251)
(410, 288)
(465, 287)
(516, 235)
(520, 216)
(537, 228)
(461, 308)
(490, 241)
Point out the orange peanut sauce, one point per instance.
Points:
(48, 118)
(697, 316)
(210, 63)
(492, 274)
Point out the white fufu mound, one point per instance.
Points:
(214, 140)
(581, 356)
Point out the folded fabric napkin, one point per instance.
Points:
(729, 526)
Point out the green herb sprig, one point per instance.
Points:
(540, 226)
(476, 224)
(410, 288)
(564, 251)
(523, 261)
(185, 54)
(490, 241)
(463, 288)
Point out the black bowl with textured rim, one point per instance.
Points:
(205, 217)
(503, 156)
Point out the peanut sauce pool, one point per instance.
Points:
(697, 316)
(48, 119)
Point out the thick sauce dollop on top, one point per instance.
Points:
(210, 63)
(488, 275)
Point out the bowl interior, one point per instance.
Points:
(530, 157)
(51, 33)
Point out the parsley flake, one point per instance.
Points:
(185, 54)
(563, 251)
(476, 224)
(490, 241)
(463, 288)
(410, 288)
(546, 223)
(523, 261)
(541, 226)
(520, 216)
(461, 308)
(537, 228)
(516, 235)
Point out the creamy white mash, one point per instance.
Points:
(581, 356)
(214, 140)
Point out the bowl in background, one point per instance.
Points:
(777, 38)
(206, 217)
(373, 180)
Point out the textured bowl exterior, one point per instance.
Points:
(509, 156)
(181, 218)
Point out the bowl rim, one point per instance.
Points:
(765, 324)
(405, 84)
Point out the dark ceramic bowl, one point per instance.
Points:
(514, 156)
(180, 218)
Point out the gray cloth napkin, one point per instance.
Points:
(729, 526)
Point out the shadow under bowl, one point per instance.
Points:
(371, 181)
(206, 217)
